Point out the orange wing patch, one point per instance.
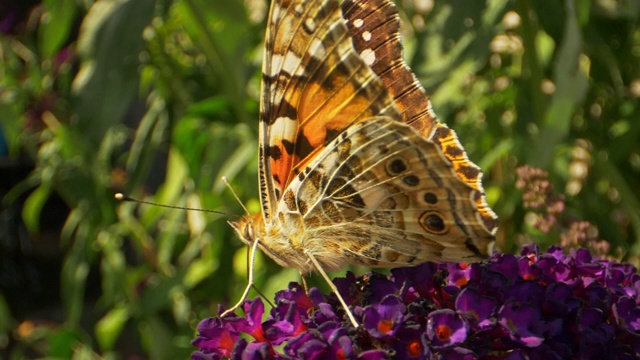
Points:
(315, 86)
(469, 172)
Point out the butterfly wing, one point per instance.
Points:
(382, 195)
(374, 26)
(314, 86)
(342, 177)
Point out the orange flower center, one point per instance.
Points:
(414, 349)
(227, 342)
(385, 326)
(443, 332)
(258, 334)
(462, 282)
(528, 277)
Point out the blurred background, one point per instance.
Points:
(159, 98)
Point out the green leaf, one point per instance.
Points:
(56, 25)
(62, 343)
(572, 82)
(109, 328)
(149, 133)
(110, 42)
(158, 340)
(113, 267)
(209, 107)
(74, 274)
(33, 207)
(198, 270)
(157, 295)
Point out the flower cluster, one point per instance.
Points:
(533, 306)
(539, 194)
(547, 209)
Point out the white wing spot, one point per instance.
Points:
(358, 23)
(298, 9)
(317, 49)
(369, 56)
(366, 36)
(310, 25)
(276, 13)
(283, 128)
(276, 64)
(292, 64)
(277, 95)
(431, 112)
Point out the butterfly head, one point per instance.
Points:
(246, 228)
(251, 229)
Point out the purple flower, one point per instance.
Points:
(252, 323)
(373, 355)
(627, 314)
(459, 274)
(216, 336)
(295, 294)
(412, 343)
(559, 300)
(479, 307)
(507, 265)
(329, 341)
(445, 328)
(382, 320)
(523, 323)
(381, 287)
(286, 324)
(325, 313)
(340, 344)
(457, 353)
(420, 279)
(593, 327)
(252, 350)
(347, 288)
(308, 345)
(536, 305)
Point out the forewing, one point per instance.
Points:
(314, 86)
(374, 26)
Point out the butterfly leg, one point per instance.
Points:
(304, 283)
(333, 288)
(252, 259)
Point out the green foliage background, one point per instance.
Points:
(159, 99)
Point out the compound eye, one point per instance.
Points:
(248, 232)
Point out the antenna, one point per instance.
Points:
(226, 182)
(122, 197)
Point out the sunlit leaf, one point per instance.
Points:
(56, 25)
(110, 326)
(33, 207)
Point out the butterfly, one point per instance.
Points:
(355, 168)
